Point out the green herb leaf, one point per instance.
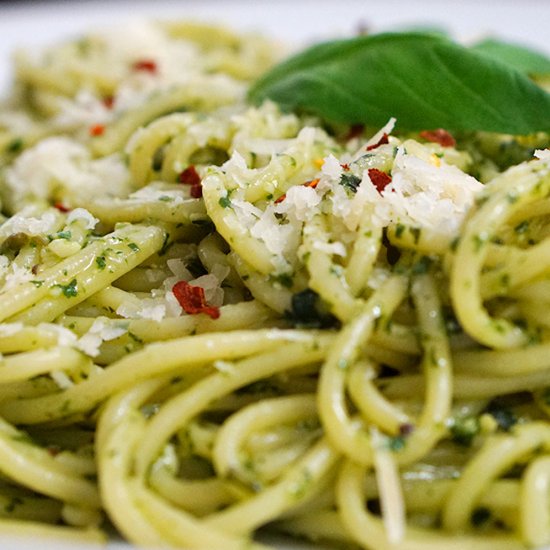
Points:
(480, 516)
(67, 235)
(350, 181)
(70, 290)
(15, 146)
(464, 430)
(519, 57)
(224, 202)
(425, 81)
(309, 311)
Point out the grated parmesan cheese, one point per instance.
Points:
(84, 110)
(65, 337)
(148, 308)
(269, 230)
(82, 214)
(61, 379)
(99, 332)
(17, 275)
(23, 222)
(542, 154)
(59, 167)
(300, 203)
(426, 195)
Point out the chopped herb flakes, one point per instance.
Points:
(464, 430)
(67, 235)
(284, 279)
(480, 516)
(12, 504)
(421, 266)
(504, 417)
(350, 182)
(396, 443)
(309, 311)
(15, 146)
(101, 262)
(70, 290)
(224, 202)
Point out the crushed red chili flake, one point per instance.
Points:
(355, 131)
(146, 65)
(97, 130)
(312, 183)
(406, 429)
(191, 299)
(61, 207)
(191, 177)
(444, 138)
(109, 101)
(379, 179)
(345, 167)
(53, 450)
(196, 191)
(382, 141)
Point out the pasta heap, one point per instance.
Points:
(218, 319)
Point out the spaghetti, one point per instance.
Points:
(218, 318)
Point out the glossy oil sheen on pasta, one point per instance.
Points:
(217, 318)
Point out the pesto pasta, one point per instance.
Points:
(219, 320)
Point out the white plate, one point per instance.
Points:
(34, 24)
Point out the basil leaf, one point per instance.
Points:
(423, 80)
(521, 58)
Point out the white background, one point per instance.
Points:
(35, 23)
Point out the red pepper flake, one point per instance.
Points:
(109, 101)
(345, 167)
(191, 299)
(191, 177)
(61, 207)
(379, 179)
(145, 65)
(53, 450)
(406, 429)
(280, 199)
(312, 183)
(97, 130)
(355, 131)
(196, 191)
(382, 141)
(444, 138)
